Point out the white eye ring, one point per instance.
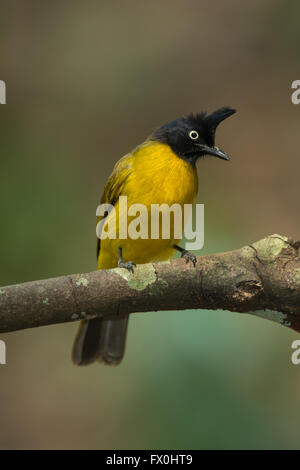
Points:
(194, 135)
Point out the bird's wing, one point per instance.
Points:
(116, 182)
(115, 186)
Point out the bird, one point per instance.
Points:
(160, 170)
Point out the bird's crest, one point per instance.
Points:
(210, 121)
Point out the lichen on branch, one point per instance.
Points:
(262, 278)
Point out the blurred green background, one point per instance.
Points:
(86, 82)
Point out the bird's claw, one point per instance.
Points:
(189, 257)
(127, 265)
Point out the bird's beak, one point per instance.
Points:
(215, 151)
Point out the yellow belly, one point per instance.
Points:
(158, 176)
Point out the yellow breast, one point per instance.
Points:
(161, 176)
(157, 176)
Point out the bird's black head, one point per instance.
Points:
(194, 136)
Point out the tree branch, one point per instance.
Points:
(262, 278)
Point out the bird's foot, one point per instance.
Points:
(127, 265)
(189, 257)
(123, 264)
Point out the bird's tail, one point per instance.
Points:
(100, 339)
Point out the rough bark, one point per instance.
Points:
(262, 279)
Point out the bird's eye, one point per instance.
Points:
(194, 135)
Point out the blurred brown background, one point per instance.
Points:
(86, 82)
